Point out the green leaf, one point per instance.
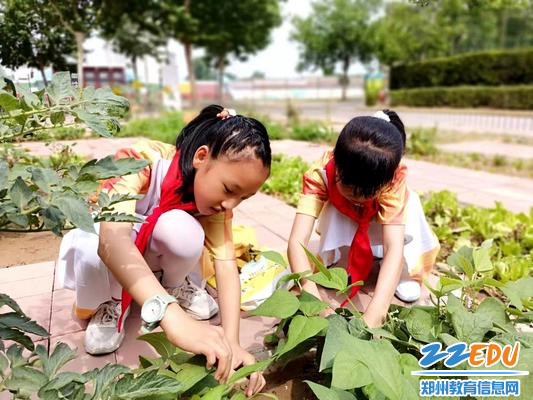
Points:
(44, 178)
(349, 373)
(275, 257)
(14, 354)
(296, 276)
(191, 371)
(337, 337)
(61, 380)
(463, 261)
(494, 310)
(31, 99)
(95, 122)
(76, 211)
(317, 263)
(338, 279)
(5, 300)
(60, 88)
(60, 356)
(57, 118)
(481, 257)
(469, 327)
(4, 174)
(54, 220)
(248, 370)
(148, 384)
(419, 324)
(160, 343)
(16, 336)
(4, 363)
(8, 102)
(23, 323)
(282, 304)
(217, 393)
(448, 285)
(349, 287)
(107, 375)
(310, 305)
(108, 167)
(25, 380)
(325, 393)
(518, 290)
(302, 328)
(20, 193)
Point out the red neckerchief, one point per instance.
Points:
(170, 200)
(360, 256)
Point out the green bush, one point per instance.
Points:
(510, 97)
(489, 68)
(286, 178)
(312, 132)
(164, 128)
(421, 142)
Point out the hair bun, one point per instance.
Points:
(397, 122)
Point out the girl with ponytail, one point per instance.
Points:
(359, 194)
(190, 189)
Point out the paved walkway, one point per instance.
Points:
(490, 148)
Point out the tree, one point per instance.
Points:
(28, 37)
(336, 32)
(202, 70)
(133, 29)
(79, 17)
(234, 29)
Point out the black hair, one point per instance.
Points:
(229, 137)
(368, 151)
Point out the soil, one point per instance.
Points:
(27, 248)
(287, 383)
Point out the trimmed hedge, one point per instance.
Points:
(489, 68)
(510, 97)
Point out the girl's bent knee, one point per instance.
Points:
(179, 234)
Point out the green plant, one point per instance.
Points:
(175, 374)
(312, 132)
(164, 128)
(285, 179)
(354, 364)
(490, 68)
(519, 97)
(421, 142)
(55, 193)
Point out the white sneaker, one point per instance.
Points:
(408, 290)
(194, 300)
(101, 335)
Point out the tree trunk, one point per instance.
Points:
(80, 38)
(41, 68)
(221, 67)
(136, 78)
(192, 75)
(345, 79)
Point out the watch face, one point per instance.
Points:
(151, 311)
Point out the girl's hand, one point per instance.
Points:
(199, 338)
(242, 357)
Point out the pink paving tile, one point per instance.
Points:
(128, 353)
(268, 239)
(63, 319)
(252, 331)
(28, 287)
(84, 362)
(24, 272)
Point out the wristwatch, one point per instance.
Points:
(153, 310)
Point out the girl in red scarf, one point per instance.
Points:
(364, 208)
(189, 193)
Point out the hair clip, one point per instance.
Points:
(227, 113)
(381, 115)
